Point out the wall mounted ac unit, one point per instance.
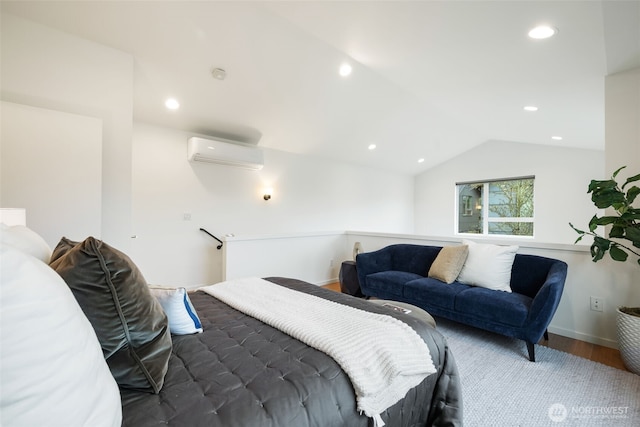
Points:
(224, 153)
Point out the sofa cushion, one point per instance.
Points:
(389, 282)
(495, 306)
(413, 258)
(488, 266)
(529, 273)
(448, 263)
(433, 292)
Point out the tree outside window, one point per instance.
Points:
(500, 207)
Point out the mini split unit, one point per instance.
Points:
(225, 153)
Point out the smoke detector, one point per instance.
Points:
(219, 73)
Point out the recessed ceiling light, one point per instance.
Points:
(530, 108)
(557, 138)
(421, 160)
(172, 104)
(542, 32)
(345, 70)
(372, 146)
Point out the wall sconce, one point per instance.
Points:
(267, 193)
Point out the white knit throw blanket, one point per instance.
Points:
(383, 357)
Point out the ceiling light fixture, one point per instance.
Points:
(557, 138)
(420, 160)
(542, 32)
(172, 104)
(345, 69)
(530, 108)
(372, 146)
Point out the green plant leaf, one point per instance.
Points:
(616, 172)
(630, 215)
(631, 179)
(599, 247)
(616, 232)
(606, 198)
(617, 254)
(633, 234)
(632, 193)
(599, 186)
(577, 230)
(604, 220)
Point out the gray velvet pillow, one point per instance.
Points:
(63, 246)
(130, 324)
(448, 263)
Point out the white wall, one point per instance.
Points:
(61, 197)
(312, 257)
(310, 195)
(622, 122)
(562, 178)
(622, 136)
(49, 69)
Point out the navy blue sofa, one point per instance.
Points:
(399, 272)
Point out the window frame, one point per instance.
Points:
(486, 218)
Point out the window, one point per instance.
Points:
(497, 207)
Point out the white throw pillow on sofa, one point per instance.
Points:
(52, 368)
(488, 266)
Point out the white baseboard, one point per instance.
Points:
(327, 282)
(583, 337)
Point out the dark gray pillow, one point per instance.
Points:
(63, 246)
(129, 322)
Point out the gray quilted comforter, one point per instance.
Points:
(242, 372)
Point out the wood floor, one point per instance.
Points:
(597, 353)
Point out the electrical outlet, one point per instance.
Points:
(331, 263)
(186, 216)
(597, 304)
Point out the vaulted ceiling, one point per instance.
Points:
(430, 79)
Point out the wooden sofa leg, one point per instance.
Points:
(531, 349)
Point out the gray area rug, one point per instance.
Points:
(502, 388)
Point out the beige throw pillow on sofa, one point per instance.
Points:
(448, 263)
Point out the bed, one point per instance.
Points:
(238, 371)
(245, 386)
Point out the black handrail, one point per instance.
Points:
(220, 245)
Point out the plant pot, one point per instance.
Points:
(629, 340)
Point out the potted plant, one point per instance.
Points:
(623, 239)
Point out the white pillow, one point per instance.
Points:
(176, 304)
(488, 266)
(25, 240)
(51, 364)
